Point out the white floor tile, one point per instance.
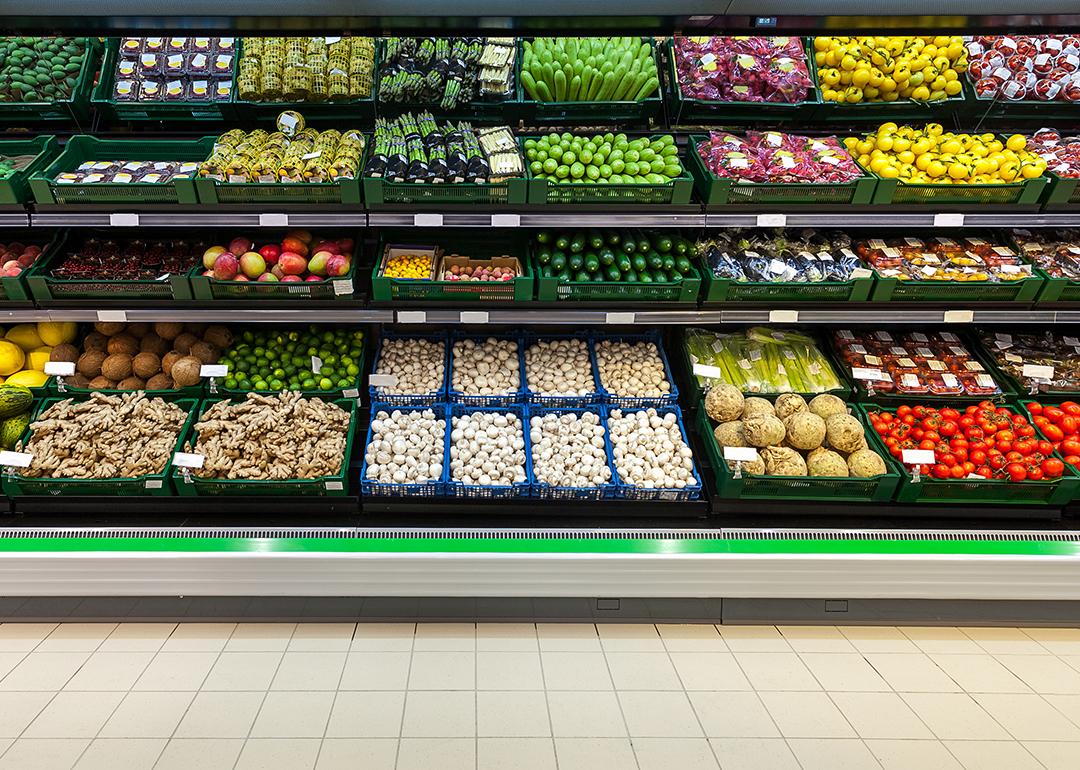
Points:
(383, 637)
(753, 754)
(659, 715)
(753, 639)
(575, 671)
(23, 637)
(199, 754)
(940, 639)
(243, 671)
(1060, 641)
(512, 714)
(441, 753)
(443, 671)
(880, 715)
(844, 672)
(568, 637)
(955, 716)
(595, 754)
(709, 671)
(911, 672)
(170, 671)
(439, 715)
(278, 753)
(806, 715)
(199, 637)
(220, 715)
(913, 755)
(74, 715)
(508, 671)
(642, 671)
(692, 637)
(322, 637)
(733, 715)
(44, 671)
(629, 637)
(776, 671)
(816, 639)
(354, 753)
(1028, 717)
(147, 715)
(9, 660)
(309, 671)
(459, 637)
(1005, 641)
(18, 709)
(366, 715)
(506, 637)
(1069, 705)
(76, 637)
(137, 637)
(110, 671)
(834, 754)
(121, 753)
(1043, 673)
(515, 754)
(260, 637)
(43, 754)
(878, 639)
(666, 753)
(979, 673)
(293, 715)
(376, 671)
(1055, 755)
(993, 755)
(585, 715)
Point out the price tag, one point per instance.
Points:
(350, 393)
(619, 318)
(152, 484)
(948, 220)
(861, 272)
(708, 372)
(16, 459)
(959, 316)
(427, 220)
(112, 315)
(744, 454)
(1012, 358)
(412, 316)
(861, 373)
(334, 486)
(342, 286)
(772, 220)
(124, 220)
(783, 316)
(213, 370)
(273, 220)
(316, 364)
(1038, 372)
(474, 317)
(917, 456)
(188, 460)
(506, 220)
(60, 368)
(382, 380)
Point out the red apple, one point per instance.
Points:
(241, 277)
(27, 258)
(226, 267)
(212, 254)
(270, 252)
(346, 245)
(252, 264)
(294, 245)
(313, 278)
(268, 278)
(240, 245)
(291, 279)
(300, 235)
(208, 273)
(292, 263)
(337, 265)
(317, 264)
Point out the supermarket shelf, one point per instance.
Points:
(204, 218)
(224, 314)
(544, 217)
(14, 219)
(888, 217)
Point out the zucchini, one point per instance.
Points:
(544, 92)
(575, 87)
(648, 89)
(607, 88)
(529, 84)
(560, 85)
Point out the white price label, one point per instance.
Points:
(16, 459)
(412, 316)
(772, 220)
(783, 316)
(1012, 358)
(342, 286)
(316, 364)
(383, 380)
(948, 220)
(619, 318)
(350, 393)
(506, 220)
(861, 373)
(474, 317)
(708, 372)
(1038, 372)
(124, 220)
(152, 484)
(744, 454)
(60, 368)
(958, 316)
(917, 456)
(427, 220)
(334, 486)
(273, 220)
(861, 272)
(214, 370)
(188, 460)
(112, 315)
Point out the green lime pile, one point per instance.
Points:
(604, 159)
(264, 359)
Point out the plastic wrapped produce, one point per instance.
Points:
(742, 69)
(780, 256)
(772, 156)
(1024, 67)
(1045, 362)
(1062, 154)
(961, 258)
(760, 360)
(1056, 252)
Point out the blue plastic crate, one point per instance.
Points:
(378, 394)
(634, 402)
(628, 492)
(547, 492)
(428, 488)
(596, 397)
(458, 489)
(509, 399)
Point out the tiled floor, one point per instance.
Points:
(536, 697)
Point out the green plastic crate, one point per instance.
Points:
(341, 191)
(1062, 194)
(876, 489)
(46, 289)
(1057, 289)
(719, 192)
(589, 113)
(155, 484)
(15, 189)
(206, 288)
(890, 289)
(328, 486)
(971, 492)
(1026, 193)
(520, 289)
(724, 290)
(105, 102)
(551, 289)
(74, 108)
(83, 148)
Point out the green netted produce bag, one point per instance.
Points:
(760, 360)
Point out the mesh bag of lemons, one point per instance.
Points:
(854, 70)
(931, 155)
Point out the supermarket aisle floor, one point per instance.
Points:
(537, 697)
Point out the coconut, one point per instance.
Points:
(131, 383)
(146, 365)
(730, 434)
(763, 430)
(196, 328)
(724, 402)
(78, 381)
(183, 342)
(218, 336)
(117, 366)
(187, 371)
(152, 343)
(65, 351)
(95, 341)
(825, 462)
(865, 463)
(825, 405)
(168, 360)
(789, 404)
(757, 405)
(102, 383)
(783, 461)
(109, 328)
(805, 430)
(89, 363)
(168, 330)
(205, 352)
(138, 330)
(755, 467)
(159, 382)
(122, 343)
(844, 433)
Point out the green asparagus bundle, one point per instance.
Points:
(760, 360)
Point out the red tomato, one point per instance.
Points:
(948, 458)
(932, 435)
(1069, 425)
(948, 429)
(926, 444)
(1017, 472)
(1073, 460)
(1014, 456)
(1071, 408)
(977, 456)
(966, 421)
(1035, 407)
(1052, 467)
(957, 472)
(1035, 474)
(1042, 421)
(1053, 414)
(903, 410)
(941, 471)
(1045, 448)
(968, 467)
(948, 413)
(1071, 446)
(1027, 431)
(1026, 446)
(1003, 446)
(996, 461)
(1053, 432)
(1005, 435)
(986, 473)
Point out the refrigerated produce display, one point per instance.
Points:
(699, 284)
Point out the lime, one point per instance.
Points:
(562, 171)
(577, 171)
(326, 384)
(308, 384)
(550, 165)
(536, 167)
(230, 383)
(569, 157)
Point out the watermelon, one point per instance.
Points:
(14, 399)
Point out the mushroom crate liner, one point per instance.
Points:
(331, 485)
(155, 484)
